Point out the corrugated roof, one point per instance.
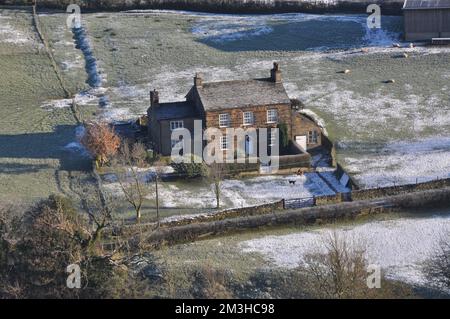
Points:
(426, 4)
(175, 110)
(241, 94)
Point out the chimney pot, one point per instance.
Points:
(154, 98)
(275, 73)
(198, 80)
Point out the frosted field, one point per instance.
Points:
(185, 198)
(33, 160)
(400, 247)
(385, 133)
(139, 51)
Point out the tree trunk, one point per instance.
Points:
(217, 186)
(138, 215)
(157, 201)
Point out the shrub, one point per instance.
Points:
(191, 169)
(38, 248)
(101, 141)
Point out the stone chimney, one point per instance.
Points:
(198, 80)
(154, 98)
(275, 73)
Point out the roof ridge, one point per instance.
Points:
(236, 80)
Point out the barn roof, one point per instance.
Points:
(242, 93)
(426, 4)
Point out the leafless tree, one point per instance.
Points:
(215, 174)
(159, 170)
(130, 182)
(139, 154)
(340, 271)
(438, 268)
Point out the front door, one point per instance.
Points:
(301, 141)
(248, 145)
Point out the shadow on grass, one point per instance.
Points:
(45, 145)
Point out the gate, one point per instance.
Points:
(299, 203)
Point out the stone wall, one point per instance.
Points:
(305, 216)
(208, 217)
(365, 194)
(328, 200)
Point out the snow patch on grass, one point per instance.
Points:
(402, 163)
(400, 247)
(235, 193)
(10, 34)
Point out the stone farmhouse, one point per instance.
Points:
(256, 103)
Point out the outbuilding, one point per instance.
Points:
(426, 19)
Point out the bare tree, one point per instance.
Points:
(438, 268)
(139, 154)
(159, 170)
(130, 182)
(340, 271)
(215, 174)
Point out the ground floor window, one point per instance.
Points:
(313, 137)
(224, 144)
(271, 138)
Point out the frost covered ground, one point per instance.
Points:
(33, 161)
(139, 51)
(386, 133)
(188, 197)
(400, 247)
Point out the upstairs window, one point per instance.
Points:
(176, 125)
(224, 143)
(248, 118)
(272, 116)
(224, 120)
(313, 137)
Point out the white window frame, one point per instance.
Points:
(224, 120)
(175, 125)
(248, 118)
(313, 137)
(272, 116)
(271, 138)
(224, 143)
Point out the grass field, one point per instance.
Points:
(33, 162)
(367, 117)
(381, 129)
(399, 243)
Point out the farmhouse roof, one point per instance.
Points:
(426, 4)
(241, 94)
(175, 110)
